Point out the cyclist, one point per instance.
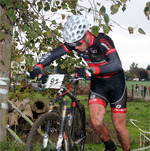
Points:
(107, 80)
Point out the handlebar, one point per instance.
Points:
(55, 81)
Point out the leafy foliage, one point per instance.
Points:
(148, 68)
(136, 72)
(142, 74)
(134, 68)
(38, 27)
(147, 10)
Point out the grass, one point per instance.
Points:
(129, 84)
(140, 83)
(11, 145)
(138, 109)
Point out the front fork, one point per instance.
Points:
(62, 135)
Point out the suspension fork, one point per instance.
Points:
(61, 129)
(45, 138)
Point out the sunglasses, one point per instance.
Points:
(78, 43)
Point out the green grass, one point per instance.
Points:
(140, 83)
(129, 84)
(11, 145)
(138, 109)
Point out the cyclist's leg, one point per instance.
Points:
(118, 109)
(97, 114)
(98, 100)
(97, 109)
(119, 122)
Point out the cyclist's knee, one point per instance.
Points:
(97, 124)
(118, 128)
(119, 122)
(97, 113)
(97, 101)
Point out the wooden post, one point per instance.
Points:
(132, 91)
(5, 53)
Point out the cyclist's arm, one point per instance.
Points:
(53, 55)
(113, 63)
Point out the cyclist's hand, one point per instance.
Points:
(36, 72)
(83, 73)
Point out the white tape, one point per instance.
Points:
(3, 91)
(132, 121)
(142, 132)
(4, 78)
(3, 82)
(4, 106)
(141, 149)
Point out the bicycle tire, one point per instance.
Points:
(34, 137)
(79, 128)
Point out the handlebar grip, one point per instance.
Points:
(36, 78)
(88, 73)
(28, 73)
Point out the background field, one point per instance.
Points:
(130, 83)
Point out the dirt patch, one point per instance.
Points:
(92, 137)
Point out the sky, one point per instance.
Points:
(131, 47)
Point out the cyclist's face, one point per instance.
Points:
(84, 44)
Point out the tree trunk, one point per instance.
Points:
(5, 53)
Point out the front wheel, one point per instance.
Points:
(44, 133)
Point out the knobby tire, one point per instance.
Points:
(34, 136)
(79, 127)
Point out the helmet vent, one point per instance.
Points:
(78, 21)
(75, 28)
(73, 34)
(82, 31)
(80, 26)
(84, 26)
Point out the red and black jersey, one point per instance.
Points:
(101, 54)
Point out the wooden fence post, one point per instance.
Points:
(132, 91)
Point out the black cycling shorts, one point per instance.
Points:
(109, 90)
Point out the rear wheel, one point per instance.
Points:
(78, 129)
(49, 125)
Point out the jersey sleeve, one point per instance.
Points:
(53, 55)
(113, 63)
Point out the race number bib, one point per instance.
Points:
(54, 81)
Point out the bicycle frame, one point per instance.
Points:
(63, 110)
(69, 135)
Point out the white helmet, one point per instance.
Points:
(75, 28)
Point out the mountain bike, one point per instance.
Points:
(62, 128)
